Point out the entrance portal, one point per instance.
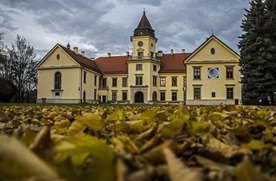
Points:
(139, 97)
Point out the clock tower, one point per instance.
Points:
(143, 39)
(143, 65)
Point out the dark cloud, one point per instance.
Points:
(106, 25)
(5, 21)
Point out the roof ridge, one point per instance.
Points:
(82, 60)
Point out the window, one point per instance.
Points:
(114, 95)
(197, 73)
(162, 81)
(114, 82)
(124, 82)
(197, 93)
(95, 94)
(213, 51)
(213, 94)
(103, 83)
(154, 68)
(57, 93)
(154, 96)
(184, 81)
(84, 77)
(139, 80)
(139, 67)
(174, 96)
(124, 96)
(58, 56)
(229, 92)
(185, 95)
(95, 80)
(162, 96)
(174, 81)
(57, 80)
(229, 72)
(154, 83)
(140, 55)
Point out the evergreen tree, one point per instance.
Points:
(255, 49)
(271, 55)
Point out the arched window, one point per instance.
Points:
(154, 96)
(57, 80)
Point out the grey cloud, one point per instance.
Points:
(6, 21)
(178, 23)
(151, 2)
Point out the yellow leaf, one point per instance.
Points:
(246, 172)
(92, 121)
(178, 171)
(19, 163)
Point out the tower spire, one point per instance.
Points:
(144, 28)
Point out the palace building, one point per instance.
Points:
(208, 76)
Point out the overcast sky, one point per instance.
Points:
(101, 26)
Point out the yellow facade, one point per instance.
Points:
(148, 45)
(73, 88)
(213, 54)
(208, 76)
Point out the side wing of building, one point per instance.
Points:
(213, 74)
(65, 76)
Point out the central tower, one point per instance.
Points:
(143, 39)
(143, 65)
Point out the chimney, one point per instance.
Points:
(82, 53)
(127, 54)
(108, 54)
(171, 51)
(76, 50)
(183, 50)
(92, 58)
(160, 54)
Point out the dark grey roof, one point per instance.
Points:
(144, 28)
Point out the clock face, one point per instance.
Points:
(213, 73)
(140, 43)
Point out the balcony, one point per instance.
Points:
(103, 87)
(138, 58)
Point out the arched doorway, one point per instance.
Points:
(139, 97)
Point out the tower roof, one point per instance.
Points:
(144, 28)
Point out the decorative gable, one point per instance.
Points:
(57, 57)
(213, 50)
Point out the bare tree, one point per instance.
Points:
(7, 90)
(21, 61)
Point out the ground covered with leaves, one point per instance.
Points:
(135, 143)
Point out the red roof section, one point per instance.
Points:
(118, 64)
(173, 63)
(83, 61)
(113, 64)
